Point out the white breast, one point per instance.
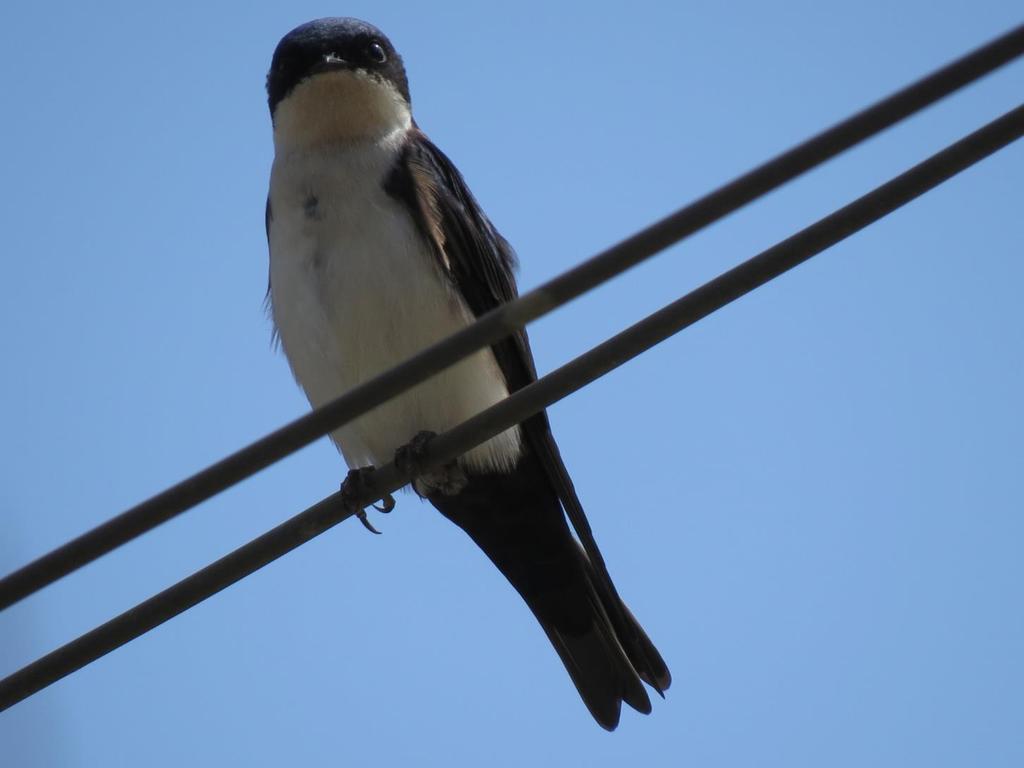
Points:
(354, 291)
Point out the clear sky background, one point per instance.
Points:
(812, 500)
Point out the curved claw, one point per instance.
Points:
(386, 504)
(359, 483)
(366, 522)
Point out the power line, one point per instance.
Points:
(522, 404)
(506, 319)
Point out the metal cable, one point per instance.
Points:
(522, 404)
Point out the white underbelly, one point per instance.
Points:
(354, 292)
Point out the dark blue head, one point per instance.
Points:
(333, 44)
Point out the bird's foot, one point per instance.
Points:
(409, 457)
(447, 480)
(358, 484)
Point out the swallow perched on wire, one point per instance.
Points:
(378, 250)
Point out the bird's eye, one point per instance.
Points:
(376, 53)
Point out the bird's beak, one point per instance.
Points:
(331, 62)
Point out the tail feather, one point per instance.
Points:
(595, 666)
(517, 520)
(637, 646)
(648, 663)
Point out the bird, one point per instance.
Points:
(378, 249)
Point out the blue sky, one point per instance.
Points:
(812, 500)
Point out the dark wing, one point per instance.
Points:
(480, 264)
(478, 260)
